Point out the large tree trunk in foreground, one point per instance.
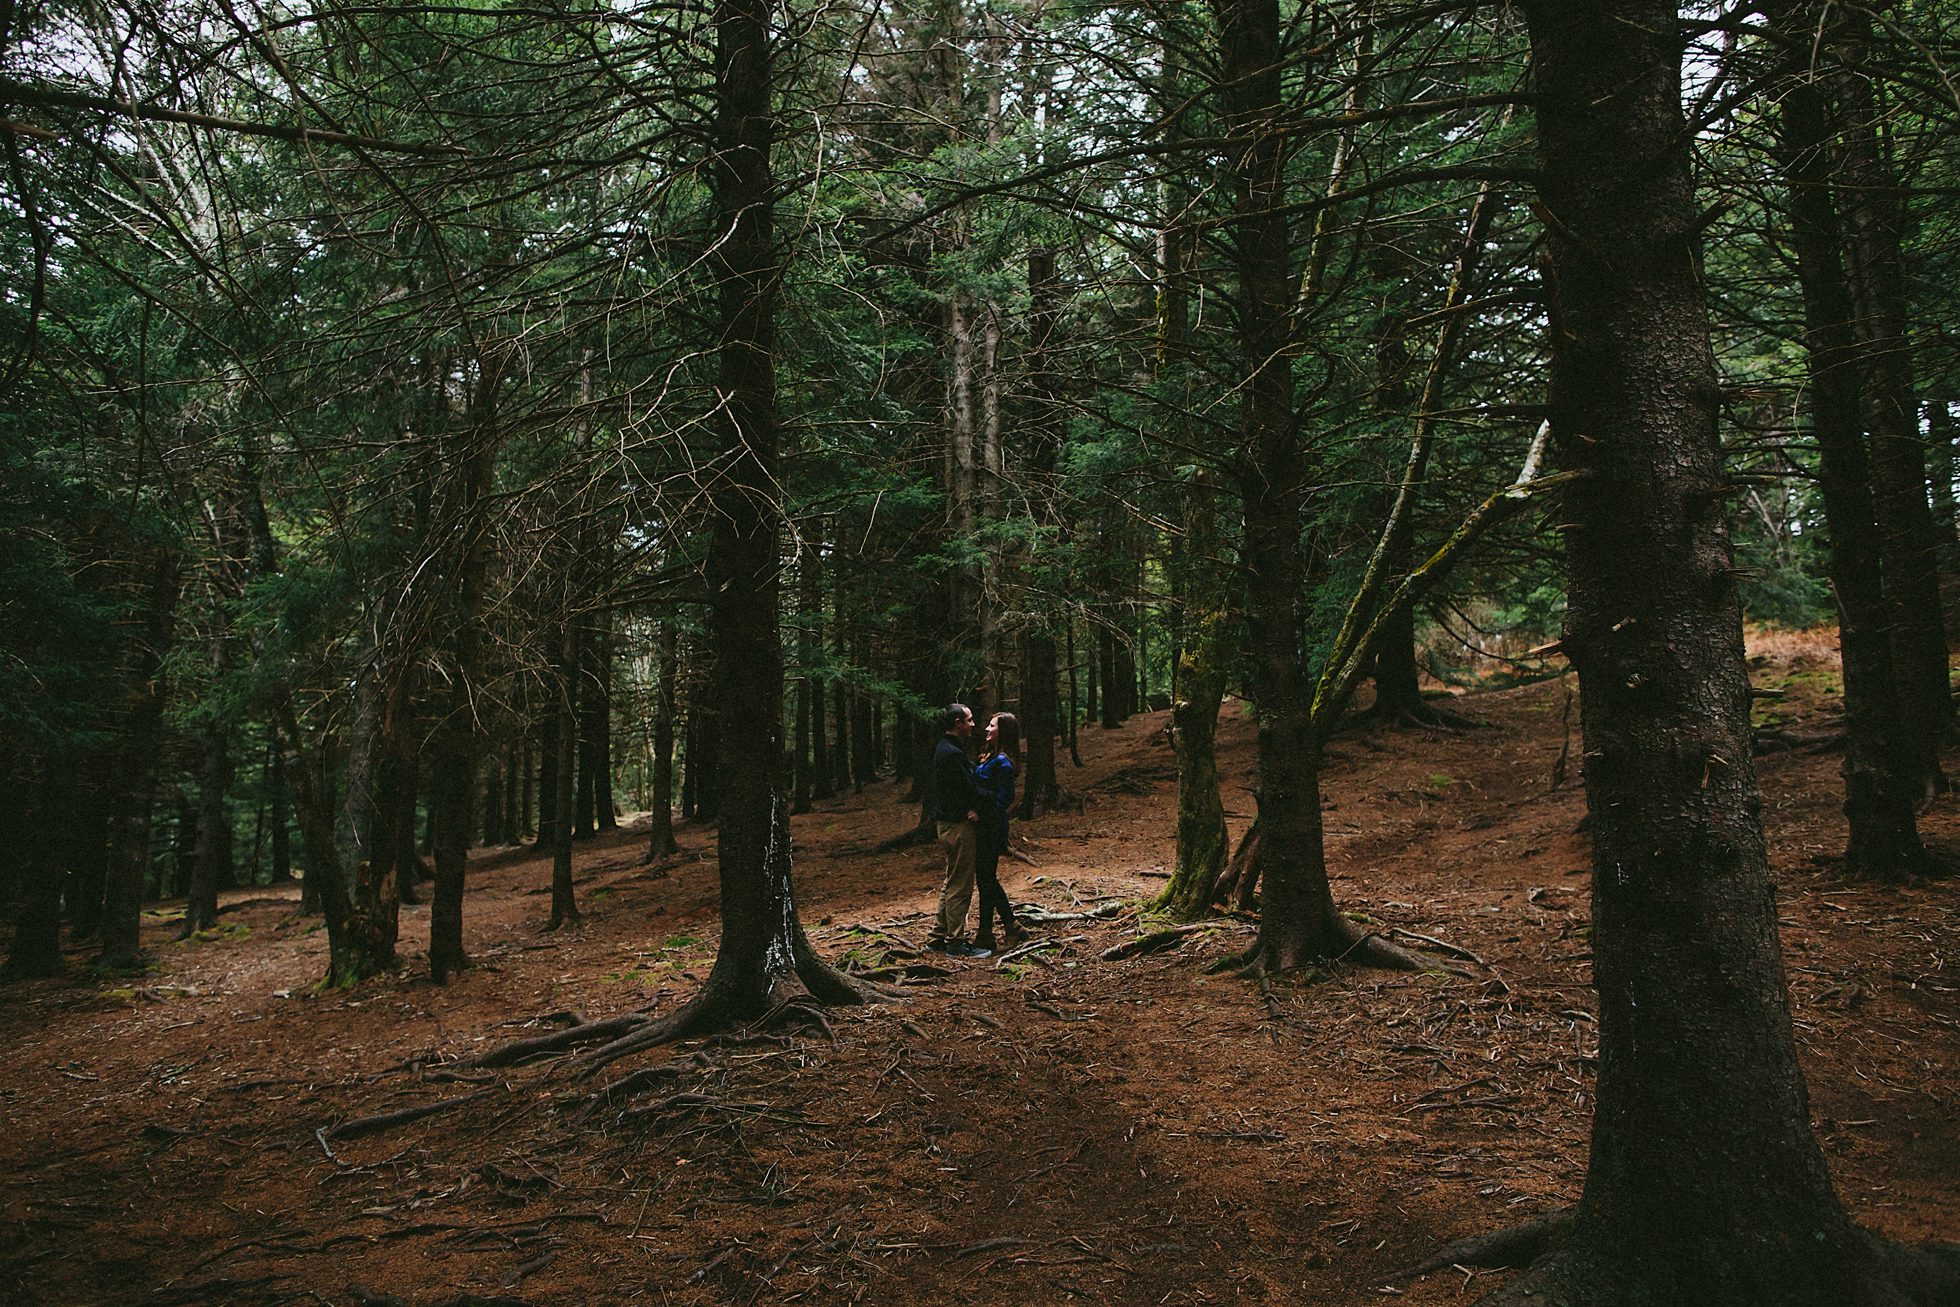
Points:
(1881, 784)
(764, 960)
(1705, 1184)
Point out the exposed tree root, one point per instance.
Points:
(726, 1000)
(1159, 940)
(368, 1125)
(521, 1050)
(1514, 1245)
(1417, 716)
(1341, 942)
(1773, 739)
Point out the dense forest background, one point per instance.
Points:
(448, 426)
(362, 392)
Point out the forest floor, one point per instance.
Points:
(1054, 1128)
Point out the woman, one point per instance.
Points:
(995, 778)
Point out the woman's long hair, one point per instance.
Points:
(1007, 735)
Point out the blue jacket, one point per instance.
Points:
(995, 778)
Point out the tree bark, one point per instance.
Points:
(564, 903)
(88, 846)
(1880, 782)
(765, 961)
(547, 832)
(660, 799)
(136, 769)
(1297, 921)
(47, 805)
(1705, 1183)
(454, 743)
(1869, 214)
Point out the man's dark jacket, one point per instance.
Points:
(953, 792)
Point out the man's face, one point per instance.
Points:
(964, 727)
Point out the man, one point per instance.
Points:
(956, 806)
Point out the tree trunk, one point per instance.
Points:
(1201, 838)
(564, 904)
(278, 803)
(605, 805)
(547, 836)
(1040, 694)
(1705, 1184)
(1881, 786)
(527, 770)
(867, 739)
(660, 800)
(1297, 921)
(47, 804)
(88, 846)
(1869, 220)
(454, 742)
(136, 771)
(493, 802)
(211, 859)
(584, 697)
(764, 959)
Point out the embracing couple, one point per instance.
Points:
(971, 805)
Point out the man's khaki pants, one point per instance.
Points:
(959, 839)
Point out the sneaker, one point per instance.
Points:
(976, 951)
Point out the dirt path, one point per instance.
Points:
(1055, 1129)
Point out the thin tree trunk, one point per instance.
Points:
(1880, 783)
(454, 744)
(584, 700)
(47, 804)
(564, 904)
(800, 752)
(1869, 219)
(547, 825)
(1040, 702)
(605, 805)
(212, 854)
(278, 803)
(88, 844)
(660, 800)
(136, 771)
